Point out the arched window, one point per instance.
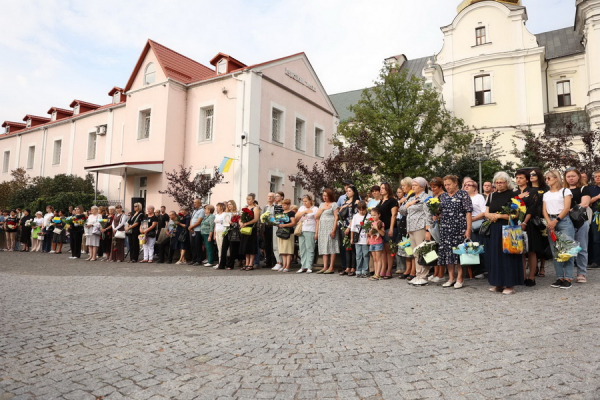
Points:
(149, 74)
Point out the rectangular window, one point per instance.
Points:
(277, 116)
(56, 152)
(299, 135)
(318, 142)
(143, 186)
(92, 138)
(563, 89)
(275, 184)
(30, 157)
(206, 124)
(6, 162)
(480, 36)
(483, 90)
(297, 194)
(144, 125)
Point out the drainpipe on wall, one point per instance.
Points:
(547, 90)
(43, 159)
(242, 133)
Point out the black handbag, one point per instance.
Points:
(578, 216)
(283, 233)
(486, 228)
(182, 236)
(357, 235)
(537, 223)
(151, 234)
(233, 234)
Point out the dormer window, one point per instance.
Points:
(28, 125)
(480, 36)
(117, 97)
(76, 109)
(150, 74)
(7, 129)
(222, 66)
(53, 117)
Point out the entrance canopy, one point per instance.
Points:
(124, 169)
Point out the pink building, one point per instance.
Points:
(175, 111)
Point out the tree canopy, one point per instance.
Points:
(184, 188)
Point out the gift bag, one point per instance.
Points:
(469, 259)
(430, 257)
(512, 239)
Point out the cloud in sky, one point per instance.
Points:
(54, 51)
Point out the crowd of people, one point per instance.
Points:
(373, 234)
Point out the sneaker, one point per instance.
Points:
(309, 271)
(557, 284)
(51, 252)
(480, 276)
(581, 279)
(448, 284)
(565, 284)
(430, 277)
(419, 282)
(300, 271)
(277, 267)
(72, 258)
(208, 265)
(436, 279)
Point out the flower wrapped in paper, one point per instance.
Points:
(142, 239)
(597, 215)
(469, 252)
(404, 248)
(346, 243)
(426, 252)
(433, 205)
(247, 215)
(30, 223)
(393, 248)
(265, 218)
(565, 246)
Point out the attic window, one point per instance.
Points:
(28, 123)
(149, 75)
(53, 117)
(222, 66)
(117, 97)
(7, 129)
(76, 109)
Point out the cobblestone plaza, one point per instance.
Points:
(71, 329)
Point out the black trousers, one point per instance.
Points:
(165, 251)
(269, 256)
(234, 249)
(76, 238)
(197, 250)
(134, 246)
(47, 245)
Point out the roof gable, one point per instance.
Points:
(174, 65)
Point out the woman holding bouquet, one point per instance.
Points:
(326, 232)
(306, 214)
(505, 271)
(183, 225)
(117, 251)
(11, 224)
(249, 217)
(36, 239)
(77, 232)
(437, 188)
(403, 197)
(106, 232)
(456, 209)
(345, 214)
(133, 227)
(477, 219)
(286, 246)
(25, 230)
(231, 240)
(58, 238)
(389, 210)
(557, 203)
(92, 233)
(418, 221)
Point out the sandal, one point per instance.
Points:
(343, 273)
(144, 261)
(542, 272)
(352, 274)
(249, 269)
(375, 278)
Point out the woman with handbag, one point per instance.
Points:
(92, 233)
(326, 232)
(418, 222)
(76, 232)
(151, 232)
(133, 231)
(117, 251)
(579, 204)
(404, 194)
(505, 271)
(231, 239)
(306, 239)
(207, 229)
(456, 209)
(437, 188)
(106, 233)
(285, 238)
(345, 214)
(181, 241)
(248, 244)
(477, 219)
(59, 235)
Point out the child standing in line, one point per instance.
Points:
(362, 248)
(375, 242)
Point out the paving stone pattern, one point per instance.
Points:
(77, 330)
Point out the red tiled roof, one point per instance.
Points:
(83, 103)
(60, 110)
(173, 64)
(216, 59)
(15, 124)
(115, 89)
(36, 118)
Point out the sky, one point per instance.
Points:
(55, 51)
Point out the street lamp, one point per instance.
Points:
(480, 153)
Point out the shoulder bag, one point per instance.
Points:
(233, 234)
(298, 229)
(283, 233)
(357, 235)
(577, 214)
(120, 235)
(182, 236)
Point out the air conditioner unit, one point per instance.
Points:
(101, 130)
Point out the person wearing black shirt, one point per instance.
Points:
(150, 229)
(581, 197)
(594, 237)
(505, 270)
(133, 227)
(25, 230)
(389, 209)
(76, 229)
(11, 225)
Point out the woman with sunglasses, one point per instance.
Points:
(557, 203)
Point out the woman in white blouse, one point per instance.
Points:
(92, 233)
(306, 214)
(219, 229)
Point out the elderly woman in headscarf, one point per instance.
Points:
(418, 220)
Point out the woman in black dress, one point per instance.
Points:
(248, 242)
(76, 232)
(25, 230)
(505, 271)
(231, 241)
(58, 238)
(181, 232)
(133, 226)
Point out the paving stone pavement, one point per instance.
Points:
(76, 330)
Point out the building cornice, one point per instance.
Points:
(491, 57)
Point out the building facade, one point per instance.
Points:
(175, 111)
(497, 76)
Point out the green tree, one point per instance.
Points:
(404, 126)
(184, 188)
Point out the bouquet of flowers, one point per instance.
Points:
(394, 248)
(469, 248)
(103, 224)
(433, 205)
(142, 239)
(346, 243)
(247, 215)
(565, 246)
(515, 209)
(11, 225)
(597, 215)
(265, 218)
(30, 223)
(69, 222)
(426, 251)
(235, 219)
(404, 248)
(79, 221)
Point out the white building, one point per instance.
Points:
(497, 76)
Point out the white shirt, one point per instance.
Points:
(555, 201)
(47, 218)
(39, 222)
(309, 223)
(219, 219)
(355, 227)
(478, 204)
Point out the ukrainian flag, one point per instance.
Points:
(225, 164)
